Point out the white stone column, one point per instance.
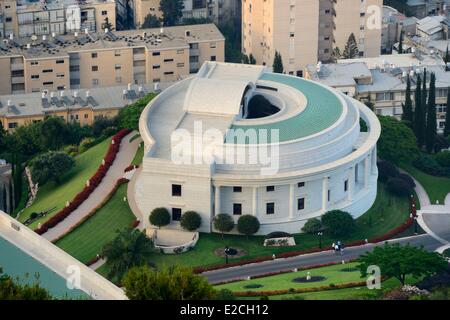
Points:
(217, 200)
(366, 172)
(255, 201)
(351, 183)
(291, 201)
(324, 194)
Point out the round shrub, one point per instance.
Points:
(86, 143)
(386, 170)
(399, 187)
(190, 221)
(223, 222)
(407, 178)
(160, 217)
(443, 158)
(338, 223)
(312, 226)
(248, 224)
(278, 234)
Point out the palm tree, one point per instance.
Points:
(128, 249)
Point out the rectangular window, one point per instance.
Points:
(156, 66)
(60, 75)
(168, 60)
(300, 203)
(104, 12)
(237, 209)
(176, 190)
(213, 58)
(59, 61)
(270, 208)
(34, 63)
(94, 68)
(34, 76)
(270, 188)
(168, 72)
(300, 184)
(156, 53)
(329, 195)
(237, 189)
(12, 125)
(50, 83)
(117, 67)
(176, 214)
(346, 185)
(47, 70)
(94, 55)
(86, 116)
(117, 53)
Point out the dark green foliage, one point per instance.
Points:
(231, 30)
(160, 217)
(408, 114)
(443, 158)
(151, 21)
(278, 234)
(351, 48)
(386, 170)
(428, 164)
(171, 11)
(277, 63)
(400, 44)
(225, 294)
(51, 166)
(190, 221)
(312, 226)
(399, 187)
(407, 178)
(338, 223)
(397, 142)
(431, 115)
(248, 224)
(129, 249)
(107, 25)
(13, 289)
(419, 114)
(223, 223)
(173, 283)
(129, 116)
(400, 261)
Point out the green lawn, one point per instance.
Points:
(333, 275)
(55, 196)
(139, 155)
(86, 241)
(436, 187)
(387, 213)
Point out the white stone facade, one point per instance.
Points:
(321, 165)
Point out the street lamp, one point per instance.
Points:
(227, 250)
(320, 234)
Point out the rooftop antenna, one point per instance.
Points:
(75, 94)
(11, 37)
(53, 34)
(44, 37)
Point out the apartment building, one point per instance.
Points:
(25, 18)
(382, 80)
(306, 31)
(394, 23)
(89, 60)
(82, 106)
(424, 8)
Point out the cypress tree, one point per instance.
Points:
(419, 122)
(277, 63)
(447, 116)
(400, 43)
(408, 114)
(430, 136)
(351, 48)
(447, 59)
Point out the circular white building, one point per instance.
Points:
(238, 139)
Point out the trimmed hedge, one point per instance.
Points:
(94, 181)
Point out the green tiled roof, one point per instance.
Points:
(323, 109)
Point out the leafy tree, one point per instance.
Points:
(408, 114)
(312, 226)
(407, 178)
(231, 30)
(443, 158)
(128, 249)
(399, 187)
(174, 283)
(447, 115)
(129, 116)
(386, 170)
(160, 217)
(223, 223)
(108, 25)
(431, 115)
(447, 59)
(11, 289)
(51, 166)
(151, 21)
(351, 48)
(397, 142)
(248, 224)
(402, 261)
(277, 63)
(171, 11)
(190, 220)
(338, 223)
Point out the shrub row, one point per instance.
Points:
(402, 228)
(130, 168)
(299, 290)
(94, 181)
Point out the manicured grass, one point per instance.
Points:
(139, 155)
(436, 187)
(333, 275)
(387, 213)
(55, 196)
(86, 241)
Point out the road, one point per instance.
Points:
(242, 272)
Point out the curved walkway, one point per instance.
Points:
(123, 159)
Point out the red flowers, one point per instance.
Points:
(131, 167)
(94, 181)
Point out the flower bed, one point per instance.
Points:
(94, 181)
(131, 168)
(400, 229)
